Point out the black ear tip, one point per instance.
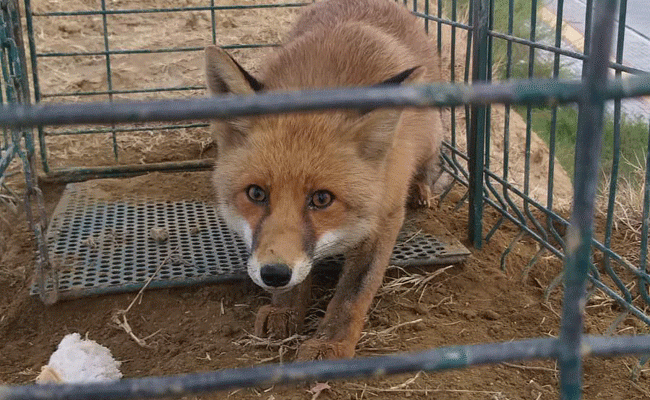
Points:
(399, 78)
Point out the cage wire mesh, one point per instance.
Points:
(491, 40)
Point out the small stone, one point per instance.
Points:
(490, 315)
(469, 314)
(229, 330)
(160, 235)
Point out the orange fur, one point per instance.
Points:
(364, 162)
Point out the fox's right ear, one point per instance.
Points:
(225, 75)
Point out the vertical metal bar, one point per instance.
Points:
(468, 55)
(452, 67)
(439, 26)
(553, 129)
(109, 74)
(477, 132)
(643, 251)
(35, 81)
(426, 20)
(579, 235)
(213, 21)
(616, 150)
(589, 7)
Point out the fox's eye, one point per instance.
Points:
(256, 194)
(321, 199)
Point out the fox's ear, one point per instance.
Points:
(374, 130)
(225, 75)
(409, 76)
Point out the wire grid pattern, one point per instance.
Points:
(486, 187)
(111, 90)
(537, 217)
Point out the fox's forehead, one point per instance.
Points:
(308, 151)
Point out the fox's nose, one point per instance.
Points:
(275, 275)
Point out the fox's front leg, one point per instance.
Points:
(341, 327)
(286, 313)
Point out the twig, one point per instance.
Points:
(124, 323)
(529, 367)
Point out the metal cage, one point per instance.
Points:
(471, 99)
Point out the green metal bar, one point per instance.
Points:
(529, 118)
(506, 124)
(426, 13)
(580, 232)
(589, 7)
(440, 359)
(130, 91)
(616, 154)
(213, 22)
(477, 131)
(452, 67)
(109, 74)
(148, 51)
(7, 157)
(537, 91)
(553, 128)
(165, 10)
(643, 250)
(442, 20)
(134, 129)
(66, 175)
(35, 80)
(564, 52)
(439, 24)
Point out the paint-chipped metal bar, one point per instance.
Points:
(431, 360)
(543, 91)
(476, 135)
(167, 10)
(580, 232)
(149, 51)
(79, 174)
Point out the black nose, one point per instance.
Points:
(275, 275)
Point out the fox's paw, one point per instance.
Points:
(319, 349)
(276, 322)
(420, 195)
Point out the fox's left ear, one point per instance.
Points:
(225, 75)
(374, 130)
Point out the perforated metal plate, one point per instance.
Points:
(101, 246)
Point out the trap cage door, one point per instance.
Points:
(17, 151)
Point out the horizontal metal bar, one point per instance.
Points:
(442, 20)
(117, 130)
(564, 52)
(540, 91)
(265, 375)
(113, 92)
(149, 51)
(67, 175)
(164, 10)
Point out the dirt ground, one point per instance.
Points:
(206, 328)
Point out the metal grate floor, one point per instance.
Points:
(100, 246)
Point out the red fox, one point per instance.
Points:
(298, 187)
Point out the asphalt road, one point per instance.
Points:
(636, 46)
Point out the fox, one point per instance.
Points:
(298, 187)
